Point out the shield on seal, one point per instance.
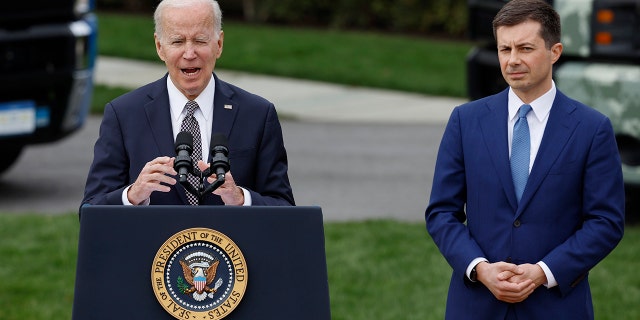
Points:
(199, 282)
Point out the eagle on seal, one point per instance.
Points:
(199, 279)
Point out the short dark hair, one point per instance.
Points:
(518, 11)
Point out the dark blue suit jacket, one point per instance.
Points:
(136, 128)
(571, 214)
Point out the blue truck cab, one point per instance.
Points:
(47, 55)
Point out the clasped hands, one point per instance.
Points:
(158, 175)
(509, 282)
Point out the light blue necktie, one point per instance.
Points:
(520, 151)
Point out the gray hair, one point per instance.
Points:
(215, 8)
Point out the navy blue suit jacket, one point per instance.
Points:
(571, 214)
(136, 128)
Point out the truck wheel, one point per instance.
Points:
(9, 155)
(632, 204)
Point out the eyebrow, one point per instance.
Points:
(175, 37)
(518, 45)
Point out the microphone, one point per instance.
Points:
(219, 155)
(219, 161)
(184, 147)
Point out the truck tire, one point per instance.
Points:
(9, 156)
(632, 205)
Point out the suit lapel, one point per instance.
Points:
(494, 131)
(224, 109)
(559, 129)
(159, 118)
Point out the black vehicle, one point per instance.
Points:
(47, 56)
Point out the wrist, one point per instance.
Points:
(477, 271)
(240, 196)
(131, 195)
(472, 266)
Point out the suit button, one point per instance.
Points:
(516, 223)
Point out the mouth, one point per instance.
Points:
(190, 71)
(516, 75)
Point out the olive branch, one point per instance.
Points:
(183, 287)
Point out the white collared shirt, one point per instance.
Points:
(537, 118)
(204, 114)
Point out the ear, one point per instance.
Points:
(158, 47)
(556, 51)
(220, 44)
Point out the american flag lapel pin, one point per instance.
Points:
(228, 106)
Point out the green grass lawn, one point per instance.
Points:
(412, 64)
(377, 270)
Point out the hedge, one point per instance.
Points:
(434, 17)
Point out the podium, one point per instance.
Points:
(283, 248)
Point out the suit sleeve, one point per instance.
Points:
(272, 186)
(603, 213)
(445, 215)
(109, 170)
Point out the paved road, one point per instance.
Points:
(352, 170)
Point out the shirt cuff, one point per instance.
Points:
(551, 280)
(474, 263)
(247, 197)
(125, 199)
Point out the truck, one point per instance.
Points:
(599, 66)
(47, 56)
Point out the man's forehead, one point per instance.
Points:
(181, 18)
(523, 33)
(189, 30)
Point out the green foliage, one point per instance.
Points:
(377, 270)
(37, 272)
(102, 95)
(126, 35)
(435, 17)
(413, 16)
(414, 64)
(182, 286)
(384, 270)
(615, 283)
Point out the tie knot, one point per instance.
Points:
(524, 109)
(191, 107)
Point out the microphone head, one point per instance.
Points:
(184, 140)
(219, 139)
(219, 154)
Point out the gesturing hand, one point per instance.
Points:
(155, 176)
(230, 193)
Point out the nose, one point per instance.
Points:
(514, 58)
(189, 50)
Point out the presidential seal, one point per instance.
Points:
(199, 273)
